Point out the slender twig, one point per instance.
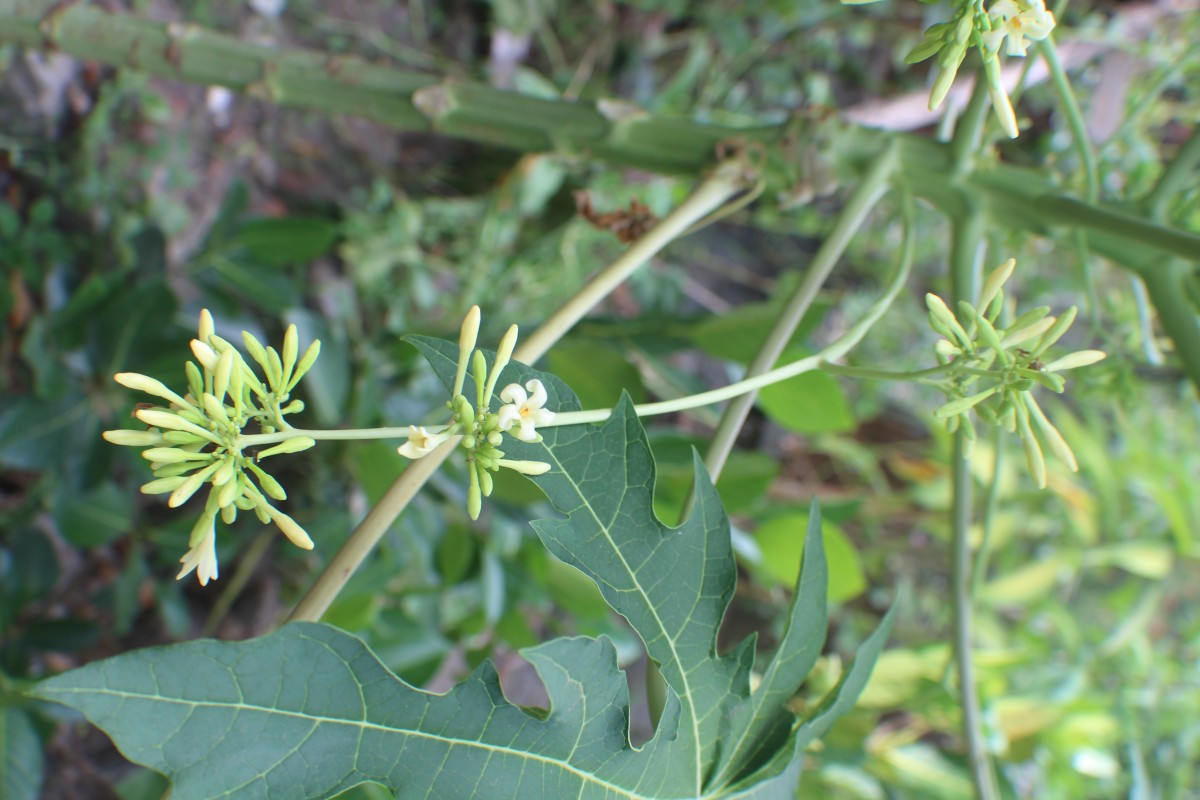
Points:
(1069, 105)
(862, 200)
(725, 182)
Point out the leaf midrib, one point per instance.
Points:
(687, 693)
(360, 725)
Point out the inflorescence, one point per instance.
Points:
(482, 430)
(196, 438)
(993, 369)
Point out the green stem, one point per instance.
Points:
(1070, 107)
(864, 198)
(726, 181)
(333, 435)
(409, 100)
(869, 373)
(968, 132)
(966, 251)
(1175, 177)
(1087, 158)
(960, 517)
(819, 360)
(991, 507)
(709, 196)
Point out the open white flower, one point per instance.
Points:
(524, 410)
(1016, 21)
(421, 442)
(202, 557)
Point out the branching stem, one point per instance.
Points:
(714, 192)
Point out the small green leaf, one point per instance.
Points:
(809, 403)
(782, 543)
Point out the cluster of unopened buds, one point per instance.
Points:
(480, 430)
(992, 368)
(197, 438)
(1005, 23)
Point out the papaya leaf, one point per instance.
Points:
(309, 711)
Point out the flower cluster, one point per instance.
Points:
(482, 430)
(986, 29)
(197, 438)
(992, 370)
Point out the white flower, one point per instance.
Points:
(420, 442)
(524, 410)
(1016, 21)
(203, 555)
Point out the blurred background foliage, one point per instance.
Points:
(131, 203)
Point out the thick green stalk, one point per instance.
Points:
(608, 130)
(709, 196)
(403, 99)
(862, 200)
(966, 251)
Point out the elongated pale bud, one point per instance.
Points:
(294, 445)
(205, 355)
(173, 455)
(1080, 358)
(995, 281)
(144, 383)
(479, 368)
(503, 356)
(1055, 331)
(268, 483)
(525, 467)
(989, 336)
(1033, 450)
(163, 485)
(1000, 102)
(474, 492)
(255, 349)
(227, 493)
(291, 349)
(942, 313)
(306, 361)
(274, 370)
(957, 406)
(1058, 445)
(185, 490)
(467, 337)
(222, 373)
(206, 328)
(215, 410)
(129, 438)
(290, 528)
(195, 380)
(1012, 338)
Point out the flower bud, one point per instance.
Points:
(130, 438)
(293, 445)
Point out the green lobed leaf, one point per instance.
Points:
(309, 711)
